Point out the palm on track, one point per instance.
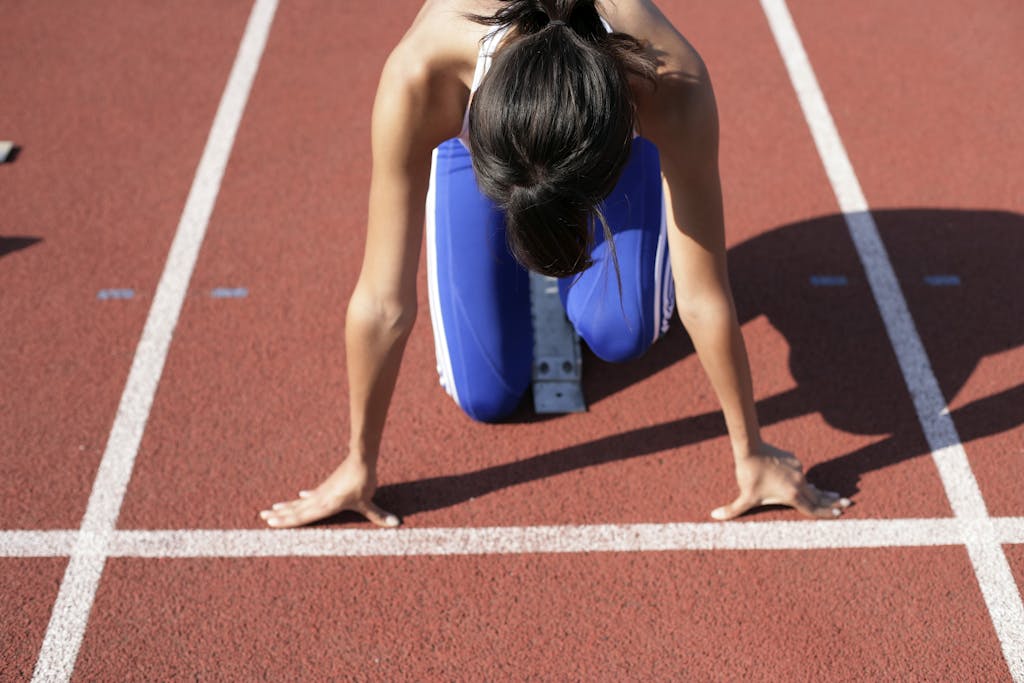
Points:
(775, 477)
(350, 487)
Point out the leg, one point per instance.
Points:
(617, 329)
(479, 295)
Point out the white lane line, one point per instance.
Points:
(541, 539)
(1009, 529)
(81, 578)
(796, 535)
(994, 577)
(56, 543)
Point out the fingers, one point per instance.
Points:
(733, 509)
(807, 502)
(824, 497)
(292, 513)
(378, 516)
(807, 498)
(830, 498)
(814, 502)
(790, 461)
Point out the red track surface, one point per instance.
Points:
(112, 103)
(111, 107)
(667, 616)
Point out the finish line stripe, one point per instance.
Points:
(799, 535)
(70, 615)
(991, 568)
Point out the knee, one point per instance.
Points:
(615, 343)
(492, 405)
(487, 387)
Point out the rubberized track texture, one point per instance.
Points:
(183, 222)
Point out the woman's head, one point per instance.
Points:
(551, 126)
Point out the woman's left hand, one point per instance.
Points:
(772, 476)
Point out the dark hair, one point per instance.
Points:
(551, 127)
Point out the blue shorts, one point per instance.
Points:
(480, 296)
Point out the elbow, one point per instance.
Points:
(699, 310)
(392, 317)
(399, 319)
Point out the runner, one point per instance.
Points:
(515, 124)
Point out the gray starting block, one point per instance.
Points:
(557, 363)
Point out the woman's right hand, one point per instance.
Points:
(350, 487)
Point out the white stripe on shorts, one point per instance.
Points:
(659, 275)
(444, 360)
(664, 299)
(668, 298)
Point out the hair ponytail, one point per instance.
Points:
(551, 127)
(542, 229)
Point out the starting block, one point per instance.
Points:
(557, 362)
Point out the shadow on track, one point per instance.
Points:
(840, 356)
(11, 244)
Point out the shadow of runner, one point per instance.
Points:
(11, 244)
(840, 355)
(435, 493)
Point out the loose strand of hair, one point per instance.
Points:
(610, 240)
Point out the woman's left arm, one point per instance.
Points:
(686, 134)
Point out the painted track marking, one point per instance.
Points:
(991, 568)
(70, 614)
(829, 281)
(229, 292)
(797, 535)
(107, 294)
(942, 280)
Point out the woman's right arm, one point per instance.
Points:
(416, 107)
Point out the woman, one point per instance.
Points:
(555, 99)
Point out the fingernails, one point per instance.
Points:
(273, 522)
(718, 513)
(836, 512)
(845, 502)
(277, 506)
(264, 513)
(303, 494)
(391, 521)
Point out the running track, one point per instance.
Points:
(213, 159)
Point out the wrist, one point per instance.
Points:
(747, 447)
(362, 454)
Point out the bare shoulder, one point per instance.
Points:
(443, 39)
(643, 19)
(679, 115)
(424, 85)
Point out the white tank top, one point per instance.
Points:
(488, 46)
